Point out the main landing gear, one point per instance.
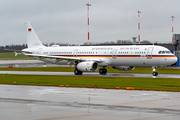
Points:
(77, 72)
(155, 73)
(103, 71)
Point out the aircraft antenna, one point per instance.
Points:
(172, 28)
(139, 25)
(88, 19)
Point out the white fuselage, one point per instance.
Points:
(124, 55)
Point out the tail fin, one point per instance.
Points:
(32, 38)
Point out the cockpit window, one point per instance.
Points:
(163, 52)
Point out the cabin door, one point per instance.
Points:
(114, 54)
(75, 53)
(149, 53)
(39, 51)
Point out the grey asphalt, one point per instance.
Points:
(60, 103)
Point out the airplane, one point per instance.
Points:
(89, 58)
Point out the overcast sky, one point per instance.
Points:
(65, 21)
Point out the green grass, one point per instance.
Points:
(11, 56)
(156, 84)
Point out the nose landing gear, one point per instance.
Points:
(155, 73)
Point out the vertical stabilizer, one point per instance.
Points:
(32, 38)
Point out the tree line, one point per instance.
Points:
(10, 48)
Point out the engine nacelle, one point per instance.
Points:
(124, 68)
(87, 66)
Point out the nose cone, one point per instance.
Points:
(174, 59)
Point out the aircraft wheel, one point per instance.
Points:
(80, 72)
(77, 72)
(155, 73)
(102, 71)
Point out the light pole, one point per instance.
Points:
(139, 25)
(88, 19)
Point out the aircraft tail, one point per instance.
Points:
(32, 38)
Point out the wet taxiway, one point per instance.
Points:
(54, 103)
(91, 74)
(38, 63)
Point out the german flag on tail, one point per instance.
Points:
(29, 30)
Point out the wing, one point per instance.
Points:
(59, 58)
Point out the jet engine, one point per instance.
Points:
(87, 66)
(124, 68)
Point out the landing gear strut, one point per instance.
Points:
(103, 71)
(155, 73)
